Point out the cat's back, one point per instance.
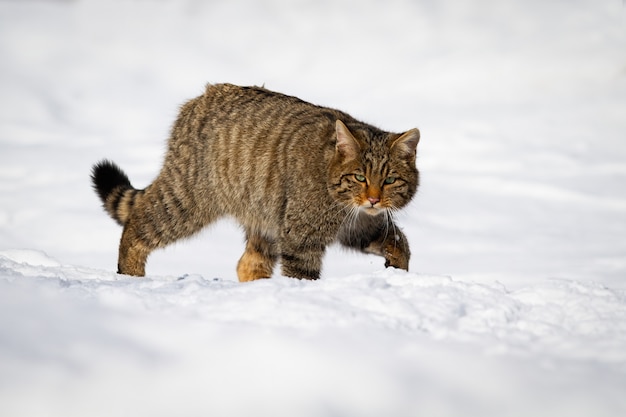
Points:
(260, 146)
(238, 105)
(252, 96)
(258, 128)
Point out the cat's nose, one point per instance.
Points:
(373, 200)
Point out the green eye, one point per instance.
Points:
(359, 177)
(390, 180)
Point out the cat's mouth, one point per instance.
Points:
(372, 210)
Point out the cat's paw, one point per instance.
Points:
(395, 257)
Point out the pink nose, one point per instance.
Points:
(373, 200)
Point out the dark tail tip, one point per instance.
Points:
(106, 176)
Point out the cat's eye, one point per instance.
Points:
(359, 177)
(390, 180)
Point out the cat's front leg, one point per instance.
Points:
(372, 234)
(396, 251)
(301, 258)
(394, 247)
(305, 264)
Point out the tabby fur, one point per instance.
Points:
(296, 176)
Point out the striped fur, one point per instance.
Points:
(298, 177)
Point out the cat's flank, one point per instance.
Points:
(296, 176)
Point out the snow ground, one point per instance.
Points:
(516, 300)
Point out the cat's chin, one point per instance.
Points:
(372, 211)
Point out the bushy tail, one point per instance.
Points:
(114, 188)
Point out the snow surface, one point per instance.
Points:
(516, 300)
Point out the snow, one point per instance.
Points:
(516, 300)
(85, 342)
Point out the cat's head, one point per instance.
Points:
(372, 170)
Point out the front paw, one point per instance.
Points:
(397, 258)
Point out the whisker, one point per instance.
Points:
(392, 210)
(349, 215)
(386, 214)
(352, 217)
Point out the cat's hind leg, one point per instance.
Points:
(259, 258)
(133, 252)
(162, 215)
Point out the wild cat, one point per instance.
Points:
(296, 176)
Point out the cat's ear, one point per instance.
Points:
(406, 144)
(347, 145)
